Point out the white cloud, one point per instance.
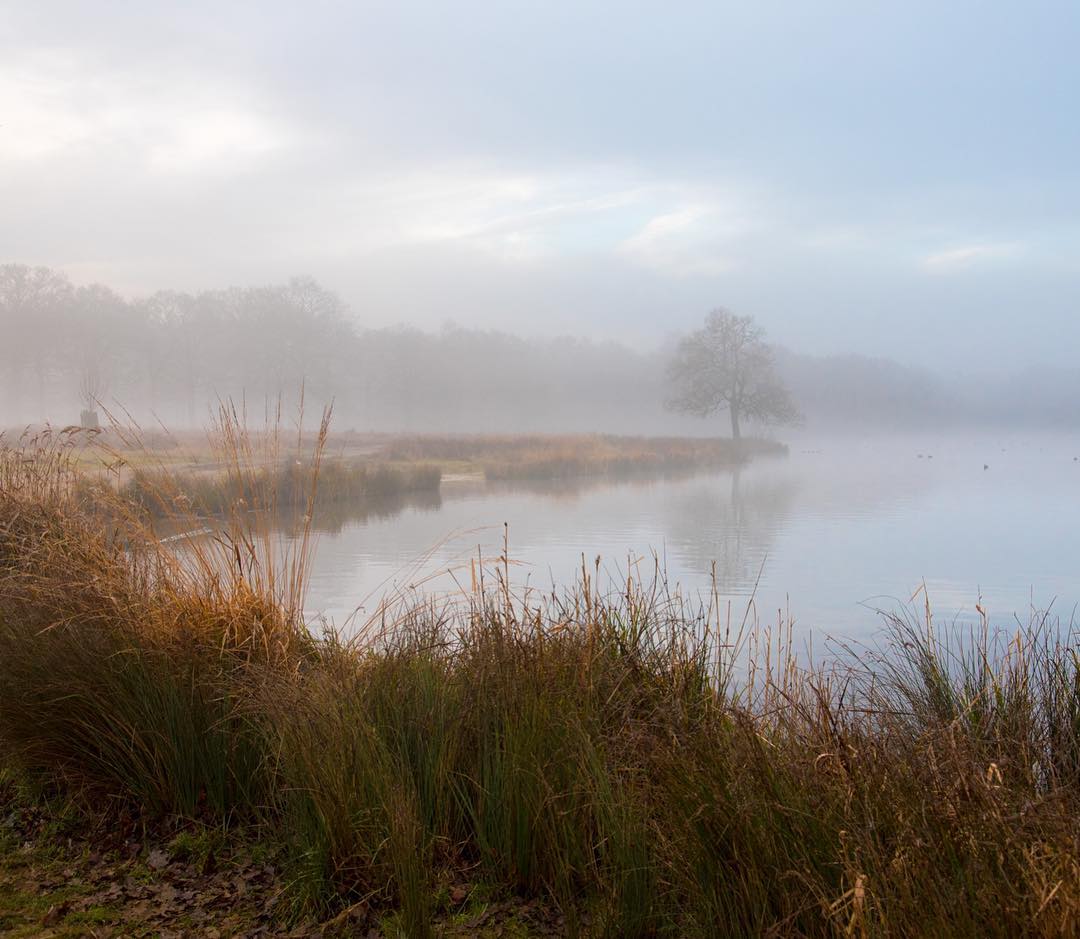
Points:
(55, 108)
(663, 228)
(215, 136)
(695, 239)
(509, 216)
(963, 256)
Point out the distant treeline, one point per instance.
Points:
(174, 354)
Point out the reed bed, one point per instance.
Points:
(164, 493)
(635, 763)
(509, 457)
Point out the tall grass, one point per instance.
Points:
(123, 662)
(625, 757)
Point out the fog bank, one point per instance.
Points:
(172, 355)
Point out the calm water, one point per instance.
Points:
(835, 529)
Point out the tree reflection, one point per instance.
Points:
(728, 522)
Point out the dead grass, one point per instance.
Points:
(569, 455)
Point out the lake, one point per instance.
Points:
(826, 535)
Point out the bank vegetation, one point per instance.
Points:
(625, 761)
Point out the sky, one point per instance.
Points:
(890, 179)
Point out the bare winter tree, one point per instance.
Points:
(727, 365)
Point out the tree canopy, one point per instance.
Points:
(727, 365)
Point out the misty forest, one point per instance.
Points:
(171, 356)
(500, 470)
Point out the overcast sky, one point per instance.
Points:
(898, 178)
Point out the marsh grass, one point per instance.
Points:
(163, 492)
(637, 762)
(538, 456)
(122, 660)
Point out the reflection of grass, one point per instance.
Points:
(610, 757)
(564, 456)
(331, 517)
(286, 485)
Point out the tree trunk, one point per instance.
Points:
(735, 434)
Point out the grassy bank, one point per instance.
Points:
(164, 492)
(589, 764)
(540, 456)
(167, 477)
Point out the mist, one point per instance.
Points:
(171, 357)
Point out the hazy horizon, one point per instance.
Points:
(173, 356)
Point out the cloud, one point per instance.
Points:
(509, 216)
(214, 136)
(55, 109)
(662, 228)
(542, 215)
(696, 239)
(964, 256)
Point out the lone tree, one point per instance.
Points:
(727, 364)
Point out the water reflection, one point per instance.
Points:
(817, 533)
(727, 525)
(332, 517)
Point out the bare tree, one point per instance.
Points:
(727, 365)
